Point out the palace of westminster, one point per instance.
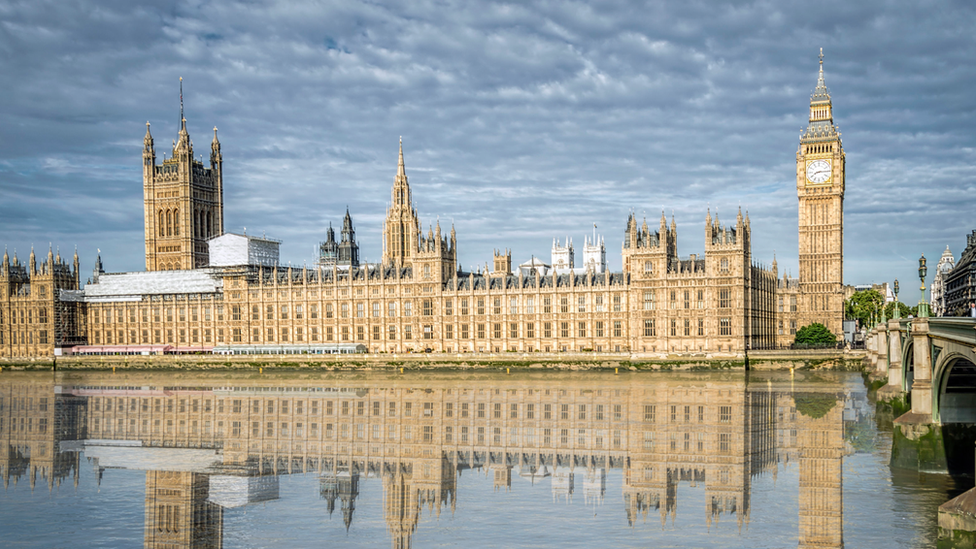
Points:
(209, 291)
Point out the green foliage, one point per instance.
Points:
(905, 310)
(860, 435)
(814, 334)
(813, 405)
(864, 305)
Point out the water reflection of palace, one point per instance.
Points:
(211, 444)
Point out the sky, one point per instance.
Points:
(521, 122)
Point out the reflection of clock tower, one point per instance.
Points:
(820, 189)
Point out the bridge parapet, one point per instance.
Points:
(930, 349)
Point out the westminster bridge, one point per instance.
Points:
(932, 359)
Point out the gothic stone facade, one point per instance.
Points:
(183, 204)
(35, 317)
(417, 299)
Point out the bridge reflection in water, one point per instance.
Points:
(213, 442)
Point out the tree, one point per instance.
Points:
(905, 310)
(814, 334)
(814, 405)
(864, 305)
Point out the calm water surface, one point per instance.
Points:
(443, 460)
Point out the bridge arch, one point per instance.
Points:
(907, 364)
(954, 381)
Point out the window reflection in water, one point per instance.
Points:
(210, 443)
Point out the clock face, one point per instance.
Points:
(818, 171)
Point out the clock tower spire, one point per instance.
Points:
(820, 179)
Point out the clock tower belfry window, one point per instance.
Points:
(820, 181)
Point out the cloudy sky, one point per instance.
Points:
(520, 122)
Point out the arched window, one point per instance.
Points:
(169, 223)
(209, 223)
(176, 222)
(162, 226)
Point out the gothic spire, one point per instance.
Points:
(182, 144)
(182, 118)
(401, 171)
(820, 93)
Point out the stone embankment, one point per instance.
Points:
(757, 360)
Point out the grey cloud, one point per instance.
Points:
(521, 121)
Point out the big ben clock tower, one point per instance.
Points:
(820, 190)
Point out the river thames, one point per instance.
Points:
(451, 459)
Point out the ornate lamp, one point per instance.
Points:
(896, 312)
(923, 306)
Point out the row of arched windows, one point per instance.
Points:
(820, 148)
(169, 222)
(203, 223)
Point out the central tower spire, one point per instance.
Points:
(401, 171)
(402, 227)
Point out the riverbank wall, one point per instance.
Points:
(757, 360)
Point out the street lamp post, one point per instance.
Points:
(923, 306)
(896, 310)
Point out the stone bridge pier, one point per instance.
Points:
(930, 361)
(931, 364)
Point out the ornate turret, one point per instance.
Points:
(6, 263)
(98, 270)
(348, 248)
(77, 269)
(148, 150)
(32, 265)
(329, 249)
(348, 233)
(215, 157)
